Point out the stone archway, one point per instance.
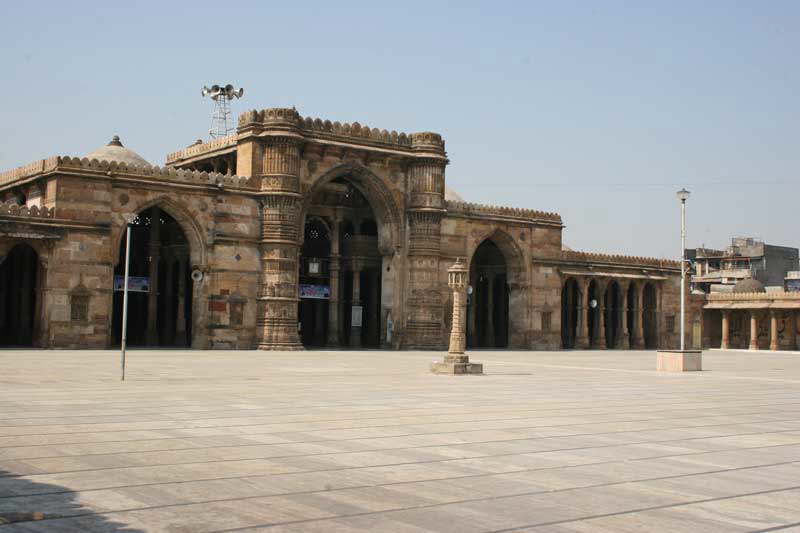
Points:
(365, 229)
(161, 252)
(499, 282)
(19, 282)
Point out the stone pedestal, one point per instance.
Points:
(455, 362)
(679, 360)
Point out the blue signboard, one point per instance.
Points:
(135, 283)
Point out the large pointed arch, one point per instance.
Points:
(377, 193)
(513, 295)
(198, 251)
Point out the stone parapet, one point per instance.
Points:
(202, 148)
(68, 163)
(614, 259)
(511, 213)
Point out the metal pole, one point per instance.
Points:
(125, 299)
(683, 271)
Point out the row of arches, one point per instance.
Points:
(609, 314)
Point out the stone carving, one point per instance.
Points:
(471, 209)
(24, 211)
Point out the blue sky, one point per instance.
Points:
(597, 110)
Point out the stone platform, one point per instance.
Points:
(456, 364)
(679, 360)
(355, 441)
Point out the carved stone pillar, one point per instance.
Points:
(753, 330)
(375, 312)
(601, 316)
(773, 330)
(355, 330)
(425, 310)
(639, 328)
(154, 249)
(584, 309)
(726, 330)
(455, 362)
(626, 332)
(278, 298)
(791, 325)
(333, 273)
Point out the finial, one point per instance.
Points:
(115, 141)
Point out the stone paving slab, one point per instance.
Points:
(371, 441)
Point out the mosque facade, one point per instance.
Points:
(295, 233)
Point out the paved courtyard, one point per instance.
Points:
(370, 441)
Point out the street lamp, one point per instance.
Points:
(129, 219)
(683, 195)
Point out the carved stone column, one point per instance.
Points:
(627, 341)
(455, 362)
(355, 330)
(753, 330)
(601, 315)
(639, 327)
(278, 293)
(584, 309)
(154, 249)
(773, 330)
(169, 310)
(333, 273)
(791, 325)
(726, 330)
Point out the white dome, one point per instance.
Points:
(114, 151)
(452, 196)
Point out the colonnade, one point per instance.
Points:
(755, 315)
(610, 313)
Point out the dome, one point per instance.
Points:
(452, 196)
(749, 285)
(114, 151)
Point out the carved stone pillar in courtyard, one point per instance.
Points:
(425, 310)
(456, 362)
(281, 204)
(639, 326)
(333, 273)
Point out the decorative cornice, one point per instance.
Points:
(24, 211)
(744, 296)
(471, 209)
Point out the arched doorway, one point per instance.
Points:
(633, 314)
(570, 304)
(650, 324)
(315, 283)
(487, 320)
(19, 281)
(613, 315)
(340, 268)
(160, 253)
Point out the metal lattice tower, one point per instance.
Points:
(221, 121)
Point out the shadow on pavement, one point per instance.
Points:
(26, 505)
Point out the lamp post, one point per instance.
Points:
(129, 222)
(683, 195)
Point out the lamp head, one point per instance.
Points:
(683, 195)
